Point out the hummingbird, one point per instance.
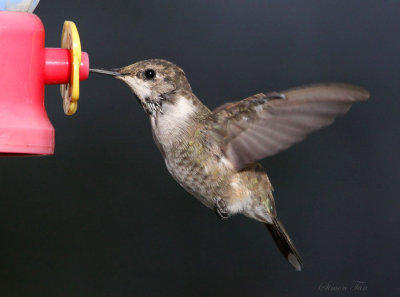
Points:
(213, 154)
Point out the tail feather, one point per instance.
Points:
(284, 243)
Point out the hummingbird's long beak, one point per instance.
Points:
(112, 72)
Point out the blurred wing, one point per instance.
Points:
(265, 124)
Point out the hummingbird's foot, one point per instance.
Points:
(221, 209)
(274, 95)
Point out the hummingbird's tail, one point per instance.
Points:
(284, 243)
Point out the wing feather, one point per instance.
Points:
(263, 125)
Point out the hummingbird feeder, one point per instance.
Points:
(26, 67)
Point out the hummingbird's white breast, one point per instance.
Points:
(172, 124)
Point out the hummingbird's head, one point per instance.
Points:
(152, 81)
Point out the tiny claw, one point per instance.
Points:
(221, 209)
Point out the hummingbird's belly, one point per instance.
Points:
(203, 181)
(248, 192)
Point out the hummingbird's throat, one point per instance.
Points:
(152, 107)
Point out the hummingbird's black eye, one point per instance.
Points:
(149, 73)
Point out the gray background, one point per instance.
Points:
(102, 217)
